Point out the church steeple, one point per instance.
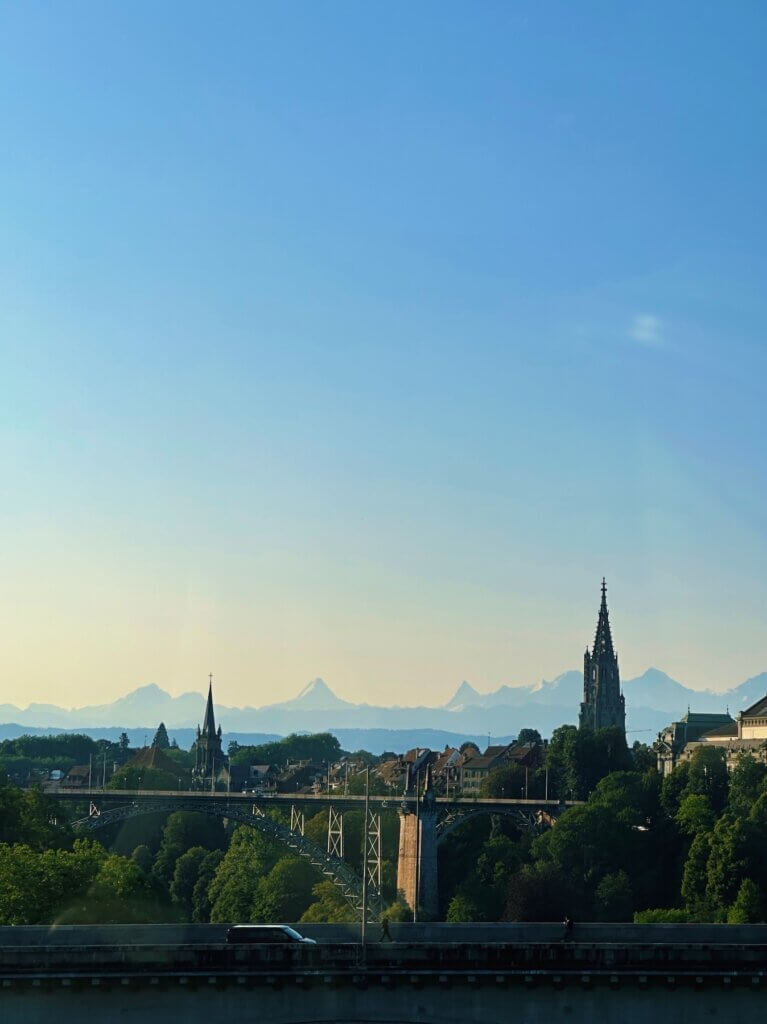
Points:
(603, 641)
(209, 722)
(603, 703)
(209, 757)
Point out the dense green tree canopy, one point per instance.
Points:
(160, 739)
(320, 748)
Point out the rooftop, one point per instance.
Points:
(756, 710)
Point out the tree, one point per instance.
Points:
(578, 758)
(708, 775)
(748, 907)
(200, 893)
(508, 780)
(613, 898)
(746, 782)
(672, 915)
(329, 906)
(587, 843)
(27, 816)
(185, 876)
(674, 787)
(356, 785)
(233, 889)
(644, 757)
(286, 892)
(320, 748)
(695, 814)
(541, 892)
(735, 853)
(529, 736)
(463, 907)
(142, 856)
(137, 776)
(632, 797)
(694, 879)
(161, 740)
(183, 830)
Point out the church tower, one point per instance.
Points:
(603, 703)
(209, 758)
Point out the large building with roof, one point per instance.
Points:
(752, 723)
(745, 735)
(691, 728)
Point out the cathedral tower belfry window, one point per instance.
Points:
(603, 703)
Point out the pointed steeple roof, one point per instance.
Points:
(603, 641)
(209, 722)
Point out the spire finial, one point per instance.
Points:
(604, 589)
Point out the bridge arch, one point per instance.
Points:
(533, 820)
(333, 868)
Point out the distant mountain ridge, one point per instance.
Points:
(652, 700)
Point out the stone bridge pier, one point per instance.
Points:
(417, 860)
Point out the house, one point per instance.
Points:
(401, 773)
(476, 768)
(77, 777)
(262, 778)
(446, 770)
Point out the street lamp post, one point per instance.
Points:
(363, 934)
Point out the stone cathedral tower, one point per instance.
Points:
(603, 703)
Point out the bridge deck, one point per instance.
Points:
(101, 796)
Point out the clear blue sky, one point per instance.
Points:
(361, 340)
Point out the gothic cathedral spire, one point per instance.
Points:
(603, 703)
(208, 755)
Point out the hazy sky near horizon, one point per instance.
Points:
(361, 340)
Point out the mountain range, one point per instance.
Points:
(652, 700)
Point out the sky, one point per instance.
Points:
(361, 340)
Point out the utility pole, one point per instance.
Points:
(417, 843)
(547, 784)
(90, 772)
(363, 935)
(525, 782)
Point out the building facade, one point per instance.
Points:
(603, 703)
(752, 723)
(691, 728)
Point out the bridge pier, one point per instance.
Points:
(417, 859)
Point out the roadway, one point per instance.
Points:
(432, 974)
(484, 933)
(103, 796)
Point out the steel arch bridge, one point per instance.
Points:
(525, 818)
(333, 867)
